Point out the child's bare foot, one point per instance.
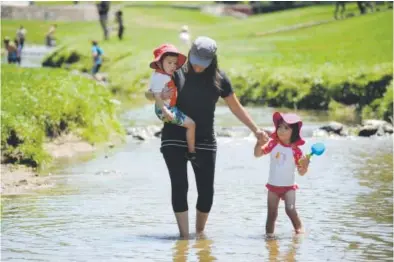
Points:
(200, 235)
(299, 230)
(270, 236)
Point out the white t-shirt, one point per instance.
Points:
(158, 82)
(283, 161)
(21, 33)
(185, 38)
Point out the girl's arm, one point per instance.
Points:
(302, 162)
(239, 111)
(261, 149)
(258, 149)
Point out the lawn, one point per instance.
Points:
(272, 46)
(35, 107)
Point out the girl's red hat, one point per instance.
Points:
(289, 119)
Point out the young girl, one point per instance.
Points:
(285, 157)
(167, 60)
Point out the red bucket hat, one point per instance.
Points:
(288, 119)
(167, 48)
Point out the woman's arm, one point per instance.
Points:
(239, 111)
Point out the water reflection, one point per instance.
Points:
(181, 250)
(376, 204)
(376, 174)
(202, 249)
(276, 254)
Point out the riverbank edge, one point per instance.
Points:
(20, 179)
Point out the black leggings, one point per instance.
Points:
(204, 172)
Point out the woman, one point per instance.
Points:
(199, 83)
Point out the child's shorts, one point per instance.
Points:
(179, 116)
(281, 191)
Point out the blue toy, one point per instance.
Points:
(316, 149)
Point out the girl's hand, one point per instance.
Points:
(302, 171)
(167, 93)
(303, 165)
(304, 162)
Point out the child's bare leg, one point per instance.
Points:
(272, 203)
(190, 134)
(290, 198)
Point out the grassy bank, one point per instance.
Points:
(299, 58)
(40, 104)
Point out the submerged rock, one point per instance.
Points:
(334, 128)
(144, 132)
(375, 127)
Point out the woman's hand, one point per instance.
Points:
(261, 136)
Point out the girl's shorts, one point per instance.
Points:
(281, 191)
(179, 116)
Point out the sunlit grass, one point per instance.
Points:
(35, 106)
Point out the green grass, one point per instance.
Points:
(36, 30)
(53, 3)
(360, 41)
(36, 107)
(339, 53)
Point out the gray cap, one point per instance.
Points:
(203, 51)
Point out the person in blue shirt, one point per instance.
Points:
(12, 50)
(97, 54)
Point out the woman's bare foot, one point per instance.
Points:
(270, 236)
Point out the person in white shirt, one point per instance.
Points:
(21, 35)
(184, 36)
(285, 158)
(167, 60)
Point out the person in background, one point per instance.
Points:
(103, 9)
(11, 49)
(184, 36)
(97, 54)
(18, 51)
(50, 38)
(21, 35)
(119, 20)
